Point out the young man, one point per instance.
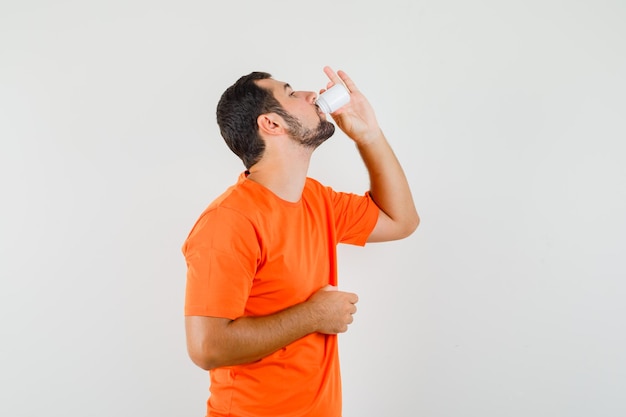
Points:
(262, 308)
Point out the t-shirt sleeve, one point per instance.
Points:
(355, 216)
(221, 252)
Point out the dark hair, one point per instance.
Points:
(237, 113)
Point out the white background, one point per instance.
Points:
(508, 117)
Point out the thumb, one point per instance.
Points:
(330, 288)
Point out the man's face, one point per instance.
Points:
(305, 122)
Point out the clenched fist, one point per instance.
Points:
(333, 309)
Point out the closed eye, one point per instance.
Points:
(288, 87)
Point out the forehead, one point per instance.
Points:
(273, 85)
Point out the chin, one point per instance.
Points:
(315, 138)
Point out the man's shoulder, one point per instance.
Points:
(314, 185)
(228, 210)
(233, 196)
(236, 200)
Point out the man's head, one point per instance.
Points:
(257, 94)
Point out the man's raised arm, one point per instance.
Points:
(389, 187)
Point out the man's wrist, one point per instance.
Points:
(372, 137)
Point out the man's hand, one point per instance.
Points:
(333, 309)
(356, 119)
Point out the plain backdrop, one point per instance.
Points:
(508, 117)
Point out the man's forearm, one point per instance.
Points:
(215, 342)
(389, 187)
(247, 339)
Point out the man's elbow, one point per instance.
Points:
(205, 352)
(409, 226)
(204, 359)
(205, 341)
(415, 223)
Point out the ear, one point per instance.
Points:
(271, 124)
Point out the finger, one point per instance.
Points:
(354, 298)
(347, 81)
(332, 75)
(350, 297)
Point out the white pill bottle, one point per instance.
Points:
(333, 99)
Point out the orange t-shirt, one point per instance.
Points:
(253, 254)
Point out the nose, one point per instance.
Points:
(311, 96)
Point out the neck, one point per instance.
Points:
(283, 173)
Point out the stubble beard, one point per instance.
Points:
(310, 138)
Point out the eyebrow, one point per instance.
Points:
(287, 86)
